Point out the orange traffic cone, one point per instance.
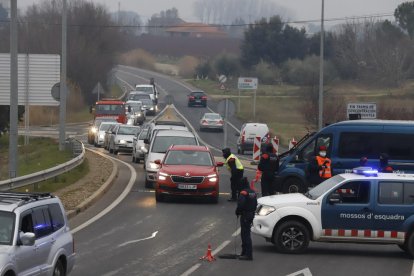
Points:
(209, 257)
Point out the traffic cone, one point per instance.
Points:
(209, 257)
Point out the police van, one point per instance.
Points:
(346, 143)
(359, 207)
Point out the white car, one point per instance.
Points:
(160, 143)
(359, 207)
(211, 121)
(121, 138)
(248, 132)
(35, 238)
(139, 148)
(149, 89)
(100, 134)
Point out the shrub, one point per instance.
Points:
(187, 66)
(227, 65)
(204, 70)
(267, 73)
(138, 58)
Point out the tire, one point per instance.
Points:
(59, 269)
(403, 247)
(214, 199)
(291, 237)
(409, 244)
(293, 185)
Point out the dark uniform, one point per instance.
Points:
(236, 169)
(269, 166)
(384, 167)
(246, 207)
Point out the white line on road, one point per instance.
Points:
(135, 241)
(113, 204)
(303, 272)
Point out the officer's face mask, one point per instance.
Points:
(322, 153)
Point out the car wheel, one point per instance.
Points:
(214, 199)
(403, 247)
(293, 185)
(59, 270)
(291, 237)
(409, 244)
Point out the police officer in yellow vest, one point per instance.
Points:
(236, 169)
(320, 167)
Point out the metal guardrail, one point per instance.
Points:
(78, 151)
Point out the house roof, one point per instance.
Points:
(195, 28)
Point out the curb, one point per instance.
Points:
(98, 193)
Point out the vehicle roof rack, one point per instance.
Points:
(172, 123)
(22, 198)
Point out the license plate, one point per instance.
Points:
(187, 187)
(198, 101)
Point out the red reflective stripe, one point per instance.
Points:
(341, 232)
(367, 233)
(380, 234)
(354, 233)
(328, 232)
(394, 234)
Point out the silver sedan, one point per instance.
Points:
(212, 121)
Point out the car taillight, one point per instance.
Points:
(204, 122)
(191, 97)
(242, 139)
(204, 98)
(220, 122)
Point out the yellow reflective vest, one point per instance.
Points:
(239, 165)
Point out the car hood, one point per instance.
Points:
(192, 170)
(285, 199)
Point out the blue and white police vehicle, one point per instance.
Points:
(362, 206)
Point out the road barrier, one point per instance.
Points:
(78, 151)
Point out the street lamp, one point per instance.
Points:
(320, 118)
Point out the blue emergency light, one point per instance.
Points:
(367, 171)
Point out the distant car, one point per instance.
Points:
(211, 121)
(138, 96)
(139, 148)
(248, 132)
(100, 135)
(108, 134)
(160, 143)
(136, 112)
(149, 107)
(121, 140)
(35, 238)
(188, 171)
(93, 129)
(150, 90)
(197, 98)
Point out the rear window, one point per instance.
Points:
(162, 143)
(197, 94)
(253, 131)
(138, 97)
(146, 89)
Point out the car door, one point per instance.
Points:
(347, 211)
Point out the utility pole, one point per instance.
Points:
(63, 89)
(13, 91)
(321, 54)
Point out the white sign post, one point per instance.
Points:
(248, 84)
(362, 110)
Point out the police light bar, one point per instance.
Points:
(367, 171)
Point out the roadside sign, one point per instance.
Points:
(222, 86)
(247, 83)
(362, 110)
(222, 79)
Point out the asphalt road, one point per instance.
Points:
(142, 237)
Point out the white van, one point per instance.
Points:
(160, 143)
(247, 134)
(148, 89)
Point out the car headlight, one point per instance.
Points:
(151, 108)
(101, 136)
(266, 210)
(212, 177)
(152, 165)
(143, 149)
(94, 129)
(162, 176)
(138, 114)
(121, 141)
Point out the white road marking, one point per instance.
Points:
(303, 272)
(135, 241)
(115, 202)
(191, 270)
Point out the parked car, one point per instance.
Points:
(248, 132)
(136, 111)
(35, 238)
(100, 135)
(149, 107)
(160, 143)
(197, 98)
(150, 90)
(108, 134)
(93, 128)
(121, 138)
(139, 148)
(188, 171)
(211, 121)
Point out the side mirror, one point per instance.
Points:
(334, 198)
(27, 239)
(219, 164)
(158, 162)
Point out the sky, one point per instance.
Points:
(299, 9)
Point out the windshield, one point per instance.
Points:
(128, 130)
(138, 97)
(109, 109)
(146, 89)
(104, 127)
(143, 134)
(162, 143)
(188, 157)
(6, 227)
(324, 187)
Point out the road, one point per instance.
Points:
(141, 237)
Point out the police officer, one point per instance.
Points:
(236, 169)
(246, 206)
(320, 167)
(268, 165)
(384, 167)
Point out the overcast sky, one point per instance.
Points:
(300, 9)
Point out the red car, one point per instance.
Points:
(188, 171)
